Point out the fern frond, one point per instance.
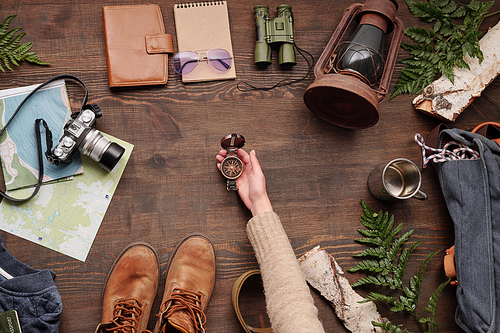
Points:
(397, 244)
(436, 51)
(5, 24)
(378, 252)
(370, 240)
(390, 327)
(367, 265)
(378, 280)
(376, 297)
(12, 51)
(417, 34)
(420, 274)
(431, 306)
(385, 263)
(404, 257)
(390, 237)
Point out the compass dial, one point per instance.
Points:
(231, 167)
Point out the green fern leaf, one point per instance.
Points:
(440, 3)
(421, 270)
(13, 45)
(444, 45)
(376, 297)
(390, 237)
(405, 256)
(433, 300)
(378, 252)
(418, 35)
(449, 8)
(369, 279)
(390, 327)
(368, 233)
(396, 245)
(6, 38)
(6, 64)
(367, 265)
(375, 241)
(12, 52)
(5, 24)
(385, 266)
(386, 225)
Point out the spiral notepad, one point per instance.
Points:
(202, 26)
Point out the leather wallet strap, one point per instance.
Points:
(159, 43)
(236, 306)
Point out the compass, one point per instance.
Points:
(232, 167)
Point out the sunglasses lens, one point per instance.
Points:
(185, 62)
(220, 59)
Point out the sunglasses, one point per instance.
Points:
(186, 61)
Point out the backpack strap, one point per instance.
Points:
(489, 129)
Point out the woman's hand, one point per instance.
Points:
(252, 183)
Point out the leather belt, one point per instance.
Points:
(236, 306)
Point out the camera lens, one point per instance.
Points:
(111, 156)
(101, 149)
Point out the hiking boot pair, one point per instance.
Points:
(133, 280)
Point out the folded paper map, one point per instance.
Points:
(18, 150)
(65, 216)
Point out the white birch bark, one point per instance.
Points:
(445, 100)
(324, 274)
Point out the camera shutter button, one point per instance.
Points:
(67, 142)
(86, 117)
(58, 152)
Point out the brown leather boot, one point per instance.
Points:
(130, 290)
(188, 287)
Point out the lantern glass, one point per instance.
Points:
(361, 56)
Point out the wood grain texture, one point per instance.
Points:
(316, 173)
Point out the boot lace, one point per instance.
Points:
(126, 314)
(185, 300)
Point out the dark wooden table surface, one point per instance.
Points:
(316, 172)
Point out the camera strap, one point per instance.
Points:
(48, 133)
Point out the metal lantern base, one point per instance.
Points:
(343, 101)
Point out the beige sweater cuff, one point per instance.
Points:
(290, 305)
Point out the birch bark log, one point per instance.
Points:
(324, 274)
(446, 101)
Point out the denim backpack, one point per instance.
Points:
(469, 176)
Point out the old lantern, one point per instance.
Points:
(351, 75)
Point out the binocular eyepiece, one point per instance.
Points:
(278, 30)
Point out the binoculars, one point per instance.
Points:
(278, 30)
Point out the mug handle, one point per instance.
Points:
(420, 195)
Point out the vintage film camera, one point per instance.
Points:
(278, 30)
(80, 135)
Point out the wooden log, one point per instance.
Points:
(324, 274)
(446, 101)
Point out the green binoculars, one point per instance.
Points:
(278, 30)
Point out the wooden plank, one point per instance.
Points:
(316, 173)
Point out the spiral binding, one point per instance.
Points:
(199, 4)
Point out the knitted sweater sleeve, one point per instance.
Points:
(289, 302)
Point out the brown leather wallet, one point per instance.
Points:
(137, 46)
